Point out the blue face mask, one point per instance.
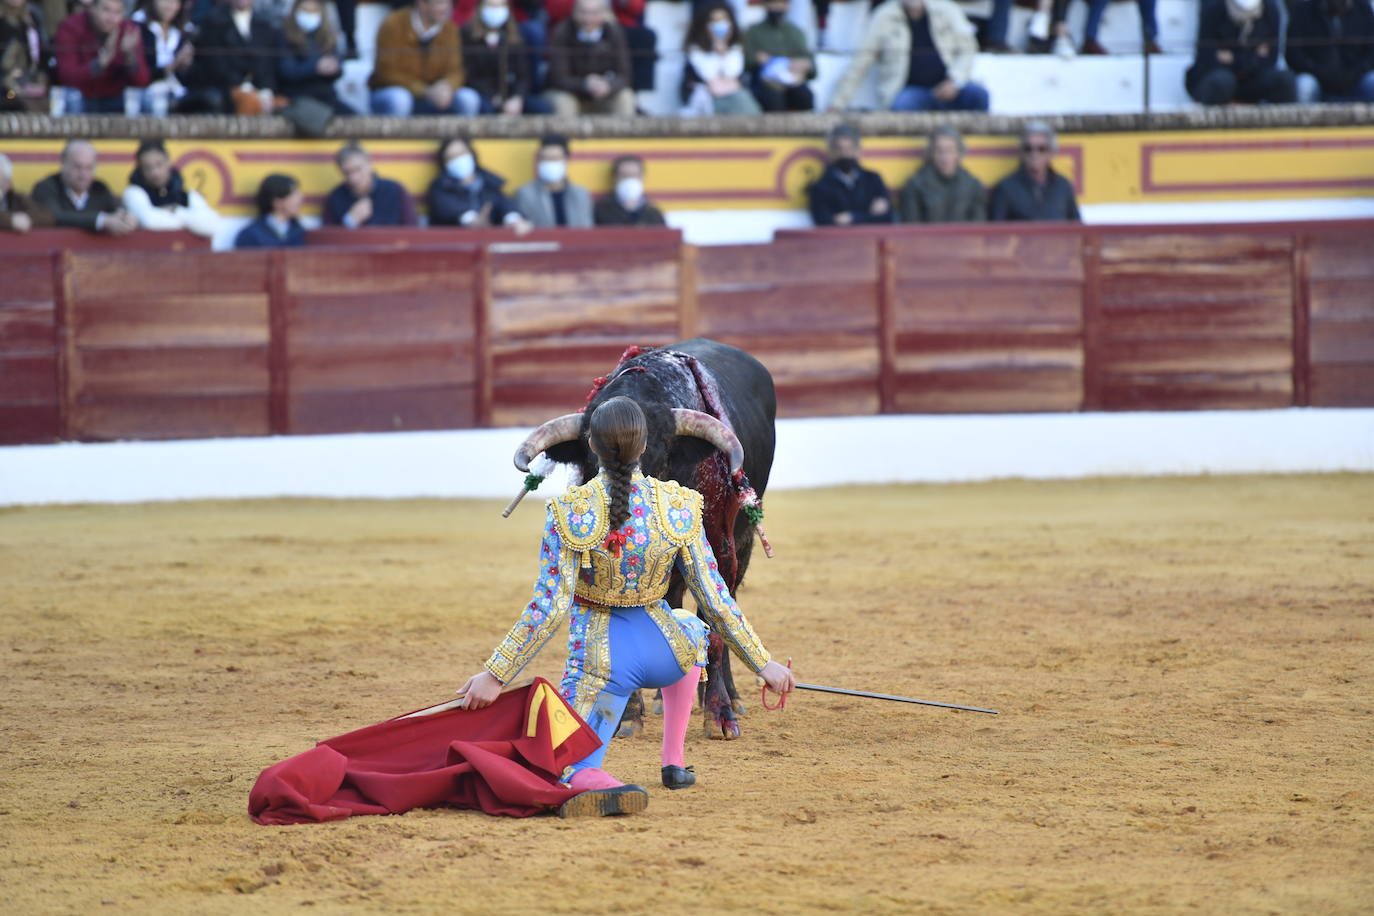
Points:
(589, 37)
(493, 17)
(308, 22)
(719, 29)
(461, 167)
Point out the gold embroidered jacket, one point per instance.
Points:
(578, 576)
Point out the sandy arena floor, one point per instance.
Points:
(1184, 668)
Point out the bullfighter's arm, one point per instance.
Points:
(698, 565)
(553, 596)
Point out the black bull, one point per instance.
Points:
(712, 378)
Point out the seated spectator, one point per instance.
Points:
(168, 51)
(498, 63)
(942, 190)
(1035, 191)
(310, 61)
(365, 198)
(1237, 55)
(1331, 49)
(279, 203)
(641, 40)
(419, 65)
(158, 198)
(1149, 26)
(626, 205)
(18, 213)
(23, 51)
(551, 199)
(465, 194)
(235, 69)
(713, 79)
(846, 193)
(99, 55)
(589, 65)
(779, 62)
(924, 51)
(992, 29)
(77, 199)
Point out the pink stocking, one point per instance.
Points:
(677, 711)
(589, 778)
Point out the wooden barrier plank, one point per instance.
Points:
(170, 416)
(999, 254)
(382, 365)
(1340, 331)
(1210, 391)
(30, 395)
(358, 272)
(26, 328)
(378, 410)
(30, 378)
(28, 280)
(155, 320)
(1343, 385)
(96, 274)
(1017, 390)
(797, 262)
(179, 371)
(937, 301)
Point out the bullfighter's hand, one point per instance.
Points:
(778, 678)
(480, 690)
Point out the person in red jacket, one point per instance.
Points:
(99, 55)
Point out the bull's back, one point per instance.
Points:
(748, 395)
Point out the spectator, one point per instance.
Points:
(235, 69)
(641, 41)
(992, 29)
(498, 63)
(23, 51)
(552, 200)
(713, 79)
(942, 190)
(626, 205)
(1237, 55)
(158, 198)
(779, 62)
(18, 213)
(364, 198)
(1049, 19)
(924, 51)
(77, 199)
(99, 55)
(1331, 49)
(168, 51)
(465, 194)
(846, 193)
(311, 61)
(1035, 191)
(419, 65)
(589, 65)
(1149, 26)
(279, 203)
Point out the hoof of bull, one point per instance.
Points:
(629, 728)
(724, 728)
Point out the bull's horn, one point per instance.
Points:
(560, 429)
(705, 426)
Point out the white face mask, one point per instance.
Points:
(461, 167)
(493, 17)
(629, 191)
(719, 29)
(590, 37)
(308, 21)
(552, 172)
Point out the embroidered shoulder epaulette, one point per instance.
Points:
(582, 515)
(679, 511)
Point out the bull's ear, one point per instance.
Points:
(571, 452)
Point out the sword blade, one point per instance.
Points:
(884, 696)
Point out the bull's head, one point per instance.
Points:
(693, 423)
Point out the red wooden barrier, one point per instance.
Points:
(535, 240)
(30, 397)
(80, 240)
(1339, 347)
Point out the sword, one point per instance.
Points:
(884, 696)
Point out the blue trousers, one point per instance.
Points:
(971, 97)
(639, 657)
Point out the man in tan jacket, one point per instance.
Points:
(419, 65)
(924, 51)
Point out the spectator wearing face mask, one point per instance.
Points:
(365, 198)
(713, 80)
(589, 65)
(1237, 55)
(846, 193)
(498, 63)
(551, 199)
(465, 194)
(626, 205)
(311, 59)
(779, 62)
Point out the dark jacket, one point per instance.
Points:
(448, 199)
(929, 197)
(500, 72)
(296, 73)
(78, 45)
(52, 196)
(571, 61)
(224, 59)
(391, 204)
(1216, 30)
(17, 54)
(1016, 197)
(155, 72)
(260, 234)
(1337, 64)
(14, 202)
(831, 194)
(610, 211)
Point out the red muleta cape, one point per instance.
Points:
(504, 759)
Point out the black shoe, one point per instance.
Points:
(605, 802)
(678, 777)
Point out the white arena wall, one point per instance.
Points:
(810, 453)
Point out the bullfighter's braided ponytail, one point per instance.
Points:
(618, 434)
